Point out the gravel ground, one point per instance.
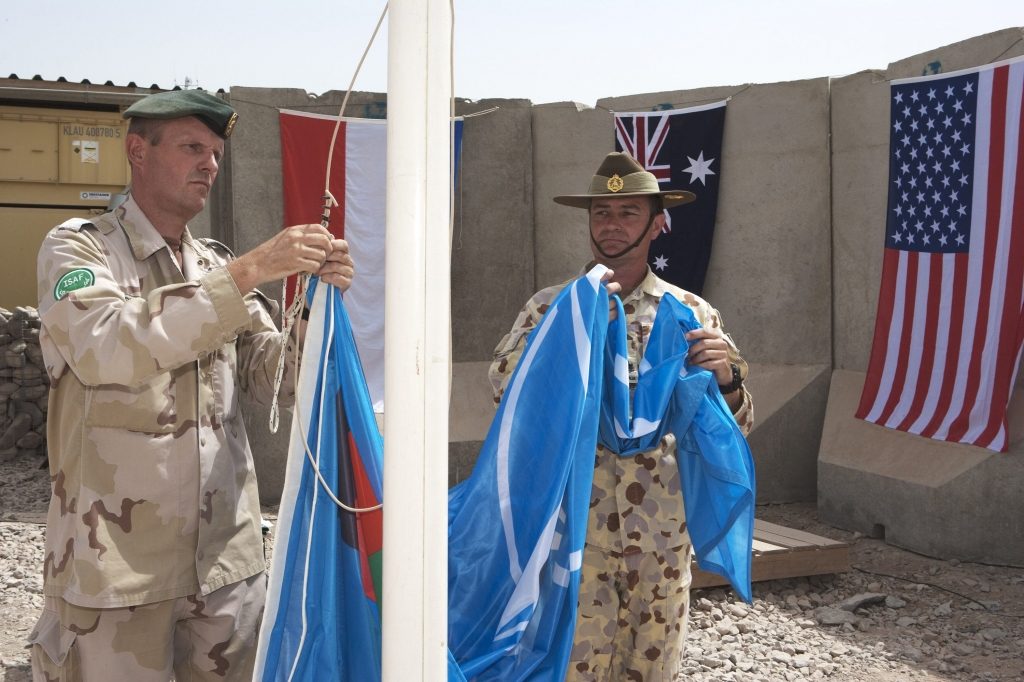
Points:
(924, 619)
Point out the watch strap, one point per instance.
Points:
(735, 384)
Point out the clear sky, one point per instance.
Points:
(542, 50)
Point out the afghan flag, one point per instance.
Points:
(323, 612)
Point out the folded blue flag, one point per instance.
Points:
(716, 469)
(517, 525)
(512, 604)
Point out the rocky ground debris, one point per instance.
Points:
(859, 626)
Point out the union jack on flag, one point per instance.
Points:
(644, 146)
(949, 327)
(683, 149)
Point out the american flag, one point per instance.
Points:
(683, 149)
(949, 327)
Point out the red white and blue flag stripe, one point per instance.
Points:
(949, 326)
(358, 184)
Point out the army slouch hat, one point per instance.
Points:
(217, 114)
(620, 176)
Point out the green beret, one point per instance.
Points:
(210, 109)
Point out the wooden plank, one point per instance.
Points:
(764, 527)
(777, 566)
(781, 552)
(785, 566)
(795, 564)
(780, 540)
(762, 546)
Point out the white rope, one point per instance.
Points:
(314, 460)
(305, 585)
(451, 145)
(288, 318)
(337, 125)
(291, 314)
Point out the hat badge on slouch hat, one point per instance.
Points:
(217, 114)
(620, 176)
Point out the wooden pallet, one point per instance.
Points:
(781, 552)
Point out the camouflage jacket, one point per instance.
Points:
(636, 504)
(154, 493)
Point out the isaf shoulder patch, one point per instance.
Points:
(76, 279)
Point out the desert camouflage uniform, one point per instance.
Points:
(634, 592)
(154, 492)
(213, 638)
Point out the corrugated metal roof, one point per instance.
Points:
(62, 93)
(108, 83)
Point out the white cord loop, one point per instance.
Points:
(314, 460)
(291, 314)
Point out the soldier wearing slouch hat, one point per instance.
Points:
(635, 581)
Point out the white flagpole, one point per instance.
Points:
(416, 343)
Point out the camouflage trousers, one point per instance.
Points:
(631, 621)
(198, 638)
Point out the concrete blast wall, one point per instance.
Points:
(794, 271)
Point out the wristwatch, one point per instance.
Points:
(735, 384)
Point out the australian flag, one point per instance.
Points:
(683, 149)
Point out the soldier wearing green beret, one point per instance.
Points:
(154, 560)
(635, 582)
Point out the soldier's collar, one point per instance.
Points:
(142, 236)
(651, 284)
